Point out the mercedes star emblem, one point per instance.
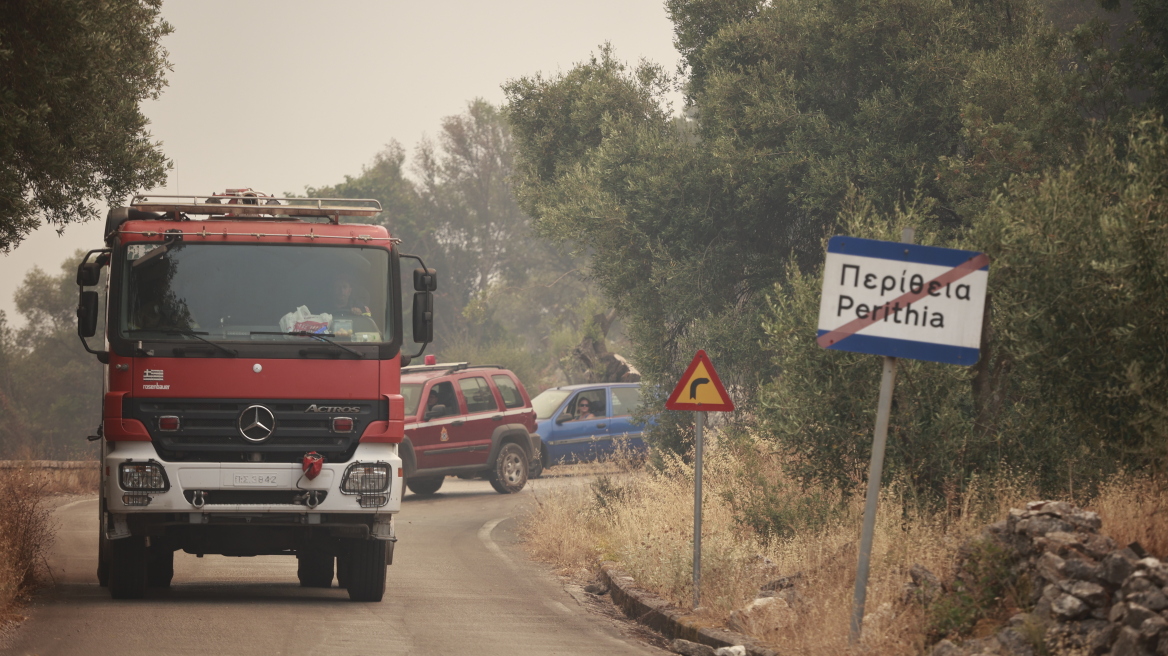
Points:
(257, 423)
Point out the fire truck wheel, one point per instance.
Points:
(425, 486)
(159, 566)
(102, 548)
(342, 571)
(366, 570)
(315, 570)
(127, 571)
(510, 473)
(102, 560)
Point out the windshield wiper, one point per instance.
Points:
(187, 333)
(324, 337)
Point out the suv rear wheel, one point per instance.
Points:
(510, 472)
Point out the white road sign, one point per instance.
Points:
(903, 300)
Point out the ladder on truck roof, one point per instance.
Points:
(256, 205)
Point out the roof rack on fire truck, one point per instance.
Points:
(245, 202)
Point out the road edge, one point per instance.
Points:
(664, 618)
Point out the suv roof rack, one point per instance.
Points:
(249, 203)
(447, 367)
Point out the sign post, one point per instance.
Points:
(699, 390)
(869, 289)
(699, 419)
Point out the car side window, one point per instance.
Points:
(442, 394)
(625, 400)
(477, 394)
(507, 389)
(586, 405)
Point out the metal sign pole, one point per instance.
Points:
(875, 472)
(699, 418)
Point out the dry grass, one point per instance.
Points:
(643, 520)
(26, 534)
(59, 477)
(70, 481)
(1135, 509)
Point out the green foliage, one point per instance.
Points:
(794, 107)
(503, 293)
(985, 586)
(72, 75)
(769, 505)
(466, 198)
(511, 354)
(607, 493)
(1080, 297)
(50, 388)
(1070, 385)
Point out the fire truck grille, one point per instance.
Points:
(210, 431)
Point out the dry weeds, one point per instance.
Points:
(26, 534)
(1135, 509)
(59, 477)
(643, 520)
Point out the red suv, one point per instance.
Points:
(471, 421)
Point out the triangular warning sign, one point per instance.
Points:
(700, 388)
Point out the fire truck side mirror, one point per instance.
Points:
(88, 274)
(425, 280)
(87, 312)
(423, 317)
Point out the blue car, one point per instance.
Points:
(583, 423)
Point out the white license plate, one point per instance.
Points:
(257, 480)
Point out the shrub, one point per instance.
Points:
(985, 586)
(26, 535)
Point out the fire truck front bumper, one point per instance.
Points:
(136, 481)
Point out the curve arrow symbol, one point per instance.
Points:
(693, 387)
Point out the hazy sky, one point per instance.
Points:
(281, 95)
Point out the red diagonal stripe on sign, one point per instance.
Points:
(952, 275)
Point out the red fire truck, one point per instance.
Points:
(252, 402)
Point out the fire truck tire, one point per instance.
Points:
(366, 570)
(102, 547)
(102, 560)
(425, 486)
(510, 472)
(127, 570)
(342, 571)
(315, 570)
(159, 566)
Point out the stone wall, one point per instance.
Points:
(1088, 595)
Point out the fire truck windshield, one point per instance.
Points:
(255, 292)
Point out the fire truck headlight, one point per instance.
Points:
(143, 476)
(365, 477)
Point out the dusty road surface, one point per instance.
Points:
(459, 585)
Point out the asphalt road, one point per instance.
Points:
(459, 584)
